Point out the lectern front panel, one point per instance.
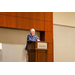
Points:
(37, 51)
(41, 45)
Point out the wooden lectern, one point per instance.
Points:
(38, 51)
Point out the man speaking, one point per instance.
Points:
(31, 37)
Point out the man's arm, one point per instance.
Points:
(29, 38)
(37, 38)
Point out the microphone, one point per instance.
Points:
(37, 38)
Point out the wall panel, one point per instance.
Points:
(64, 43)
(20, 14)
(1, 13)
(1, 20)
(64, 18)
(20, 22)
(48, 16)
(40, 25)
(49, 37)
(26, 23)
(32, 15)
(4, 13)
(50, 49)
(35, 15)
(11, 22)
(50, 58)
(4, 20)
(48, 26)
(49, 34)
(40, 15)
(30, 23)
(27, 14)
(36, 24)
(13, 45)
(9, 13)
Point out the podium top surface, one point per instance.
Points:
(40, 41)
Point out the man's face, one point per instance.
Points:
(33, 32)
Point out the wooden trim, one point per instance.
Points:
(41, 41)
(38, 49)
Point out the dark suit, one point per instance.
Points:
(30, 38)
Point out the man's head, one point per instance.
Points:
(32, 31)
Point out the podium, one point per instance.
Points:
(38, 51)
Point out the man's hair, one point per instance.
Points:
(32, 30)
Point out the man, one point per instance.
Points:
(31, 37)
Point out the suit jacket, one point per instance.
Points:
(30, 38)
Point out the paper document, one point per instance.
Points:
(0, 45)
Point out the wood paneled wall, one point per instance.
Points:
(49, 34)
(40, 21)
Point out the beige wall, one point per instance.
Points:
(13, 44)
(64, 18)
(64, 37)
(64, 44)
